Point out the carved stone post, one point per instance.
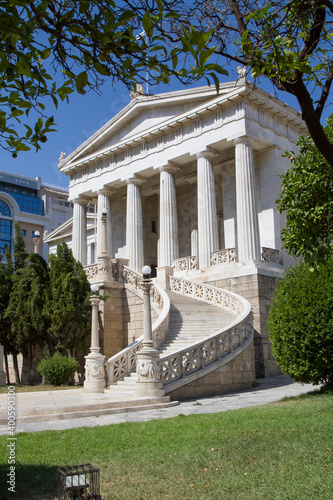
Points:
(148, 365)
(94, 365)
(104, 263)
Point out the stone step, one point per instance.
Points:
(131, 405)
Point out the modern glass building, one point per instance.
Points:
(36, 206)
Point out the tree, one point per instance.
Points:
(68, 305)
(85, 41)
(307, 198)
(5, 290)
(12, 264)
(26, 308)
(287, 41)
(300, 323)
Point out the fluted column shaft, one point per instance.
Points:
(103, 203)
(207, 216)
(194, 219)
(168, 249)
(79, 233)
(134, 226)
(248, 240)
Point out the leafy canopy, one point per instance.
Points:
(289, 42)
(307, 198)
(85, 41)
(300, 323)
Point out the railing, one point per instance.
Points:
(125, 361)
(270, 255)
(223, 256)
(210, 294)
(219, 347)
(185, 264)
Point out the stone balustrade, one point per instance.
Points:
(120, 365)
(222, 298)
(205, 355)
(224, 256)
(270, 255)
(185, 264)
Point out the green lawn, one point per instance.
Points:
(278, 451)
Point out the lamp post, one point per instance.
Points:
(36, 241)
(148, 365)
(104, 263)
(94, 365)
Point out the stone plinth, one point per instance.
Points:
(94, 373)
(148, 368)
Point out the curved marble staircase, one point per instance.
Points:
(207, 328)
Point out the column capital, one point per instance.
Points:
(245, 139)
(135, 179)
(208, 152)
(106, 191)
(170, 167)
(81, 200)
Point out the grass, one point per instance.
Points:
(281, 451)
(39, 387)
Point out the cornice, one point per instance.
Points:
(243, 89)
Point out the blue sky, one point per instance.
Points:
(77, 121)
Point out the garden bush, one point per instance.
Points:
(57, 369)
(300, 323)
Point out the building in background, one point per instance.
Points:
(35, 205)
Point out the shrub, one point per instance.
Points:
(57, 369)
(300, 323)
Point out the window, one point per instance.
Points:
(5, 227)
(153, 226)
(24, 232)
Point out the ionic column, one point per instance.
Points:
(103, 203)
(207, 216)
(79, 233)
(168, 249)
(134, 226)
(248, 240)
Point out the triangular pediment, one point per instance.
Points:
(144, 113)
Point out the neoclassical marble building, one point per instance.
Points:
(187, 181)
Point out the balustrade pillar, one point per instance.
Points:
(94, 364)
(248, 240)
(134, 226)
(79, 232)
(207, 215)
(168, 245)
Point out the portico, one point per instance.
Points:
(189, 180)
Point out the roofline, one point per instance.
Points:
(241, 88)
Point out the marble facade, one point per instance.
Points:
(189, 181)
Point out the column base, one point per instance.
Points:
(151, 389)
(148, 367)
(94, 373)
(163, 274)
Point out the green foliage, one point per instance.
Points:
(69, 309)
(57, 369)
(20, 255)
(300, 323)
(307, 198)
(26, 308)
(86, 42)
